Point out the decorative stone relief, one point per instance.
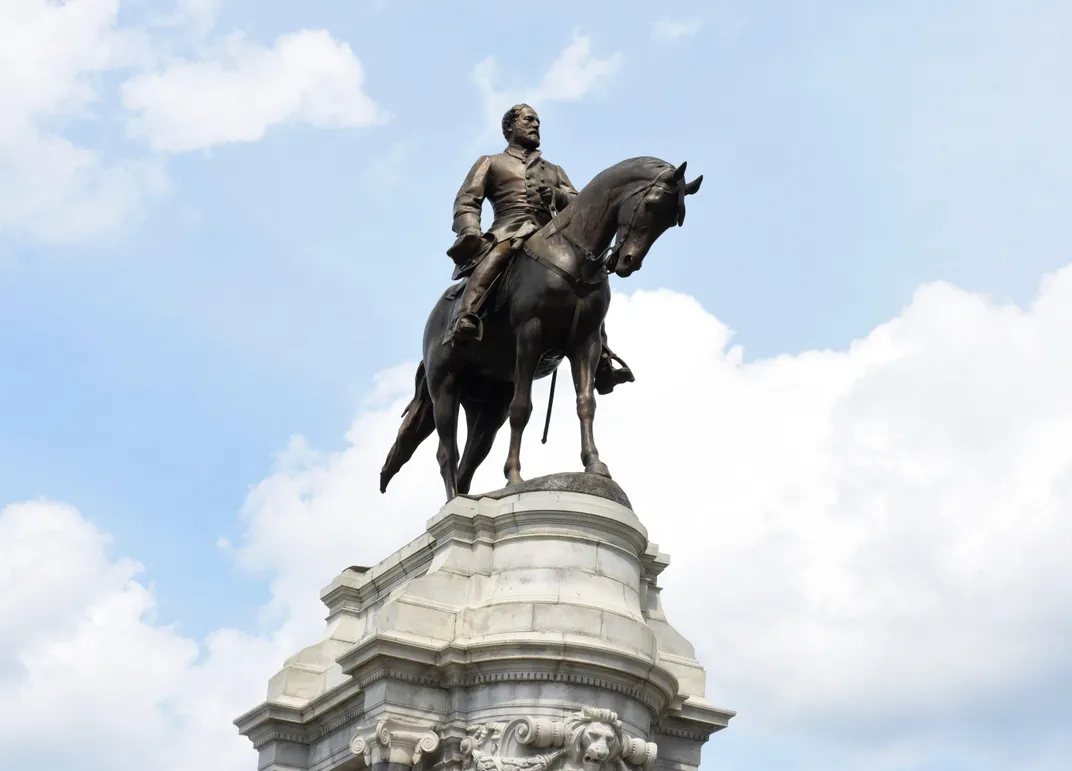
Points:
(395, 742)
(589, 740)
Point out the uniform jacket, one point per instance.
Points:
(511, 181)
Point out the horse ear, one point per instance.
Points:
(693, 186)
(679, 172)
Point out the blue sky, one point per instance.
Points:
(163, 344)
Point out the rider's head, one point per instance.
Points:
(521, 126)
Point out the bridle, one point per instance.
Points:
(608, 258)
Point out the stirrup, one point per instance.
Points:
(610, 357)
(607, 378)
(474, 337)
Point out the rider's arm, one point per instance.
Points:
(564, 190)
(470, 198)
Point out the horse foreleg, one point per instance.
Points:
(445, 409)
(528, 357)
(583, 361)
(484, 420)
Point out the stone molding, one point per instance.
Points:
(395, 741)
(682, 733)
(519, 676)
(465, 666)
(486, 521)
(640, 693)
(590, 739)
(279, 736)
(400, 674)
(490, 521)
(337, 723)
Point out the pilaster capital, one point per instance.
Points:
(395, 741)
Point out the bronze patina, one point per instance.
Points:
(525, 191)
(534, 289)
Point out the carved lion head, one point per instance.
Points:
(595, 739)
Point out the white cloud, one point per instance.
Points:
(669, 30)
(868, 546)
(52, 56)
(200, 14)
(57, 61)
(726, 19)
(575, 74)
(306, 77)
(84, 667)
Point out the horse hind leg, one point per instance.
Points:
(445, 404)
(484, 418)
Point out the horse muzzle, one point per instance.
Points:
(627, 264)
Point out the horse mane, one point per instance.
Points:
(626, 175)
(642, 169)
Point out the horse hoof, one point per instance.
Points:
(599, 467)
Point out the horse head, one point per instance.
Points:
(646, 214)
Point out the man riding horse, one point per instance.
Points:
(525, 191)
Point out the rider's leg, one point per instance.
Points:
(606, 375)
(477, 288)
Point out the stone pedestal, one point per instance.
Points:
(523, 631)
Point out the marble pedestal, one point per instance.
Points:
(523, 631)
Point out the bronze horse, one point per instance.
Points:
(550, 304)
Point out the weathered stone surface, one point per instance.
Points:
(514, 606)
(570, 482)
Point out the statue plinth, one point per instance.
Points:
(522, 630)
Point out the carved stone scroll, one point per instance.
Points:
(589, 740)
(395, 742)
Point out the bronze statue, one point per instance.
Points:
(551, 268)
(525, 191)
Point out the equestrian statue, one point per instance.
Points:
(533, 290)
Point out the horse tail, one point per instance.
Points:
(418, 423)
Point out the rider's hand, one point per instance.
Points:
(547, 195)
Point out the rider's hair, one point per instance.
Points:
(510, 118)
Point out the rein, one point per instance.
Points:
(606, 259)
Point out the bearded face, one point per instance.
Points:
(526, 129)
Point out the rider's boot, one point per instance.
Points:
(468, 326)
(607, 376)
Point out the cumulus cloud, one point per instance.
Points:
(52, 56)
(85, 668)
(307, 77)
(868, 545)
(200, 14)
(574, 75)
(56, 63)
